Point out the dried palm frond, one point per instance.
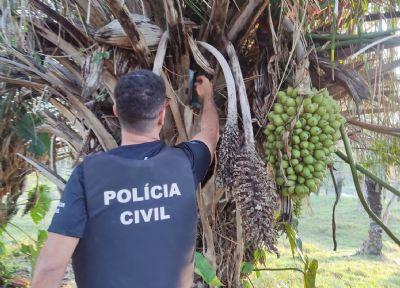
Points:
(114, 34)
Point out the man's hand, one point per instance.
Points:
(209, 122)
(53, 260)
(204, 88)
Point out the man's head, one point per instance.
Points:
(140, 101)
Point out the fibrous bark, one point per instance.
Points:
(373, 244)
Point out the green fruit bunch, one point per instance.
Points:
(300, 139)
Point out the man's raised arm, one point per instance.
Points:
(209, 123)
(53, 260)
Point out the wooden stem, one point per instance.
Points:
(230, 82)
(239, 251)
(370, 174)
(244, 102)
(160, 56)
(358, 188)
(334, 208)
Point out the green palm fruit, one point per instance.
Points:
(311, 185)
(295, 139)
(311, 168)
(323, 137)
(279, 144)
(291, 111)
(325, 117)
(281, 96)
(299, 189)
(319, 175)
(298, 131)
(315, 131)
(321, 111)
(290, 183)
(277, 120)
(319, 154)
(304, 145)
(271, 116)
(317, 99)
(271, 138)
(305, 172)
(310, 108)
(290, 102)
(308, 159)
(271, 127)
(298, 168)
(319, 166)
(285, 117)
(313, 121)
(295, 154)
(304, 153)
(300, 179)
(285, 191)
(280, 181)
(289, 91)
(294, 162)
(298, 100)
(304, 135)
(335, 124)
(295, 93)
(322, 123)
(290, 170)
(332, 149)
(280, 130)
(307, 116)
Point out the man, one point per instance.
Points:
(128, 216)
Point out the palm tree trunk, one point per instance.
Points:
(373, 244)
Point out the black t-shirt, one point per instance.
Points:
(71, 216)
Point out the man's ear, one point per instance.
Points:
(115, 111)
(161, 116)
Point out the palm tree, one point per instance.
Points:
(373, 244)
(65, 58)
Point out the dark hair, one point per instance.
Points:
(139, 96)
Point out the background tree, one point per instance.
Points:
(373, 244)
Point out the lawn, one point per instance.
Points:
(342, 268)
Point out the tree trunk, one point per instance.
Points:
(340, 181)
(373, 244)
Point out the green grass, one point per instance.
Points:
(342, 268)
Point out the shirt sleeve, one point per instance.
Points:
(200, 157)
(71, 214)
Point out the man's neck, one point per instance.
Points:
(129, 138)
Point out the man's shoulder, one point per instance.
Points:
(192, 144)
